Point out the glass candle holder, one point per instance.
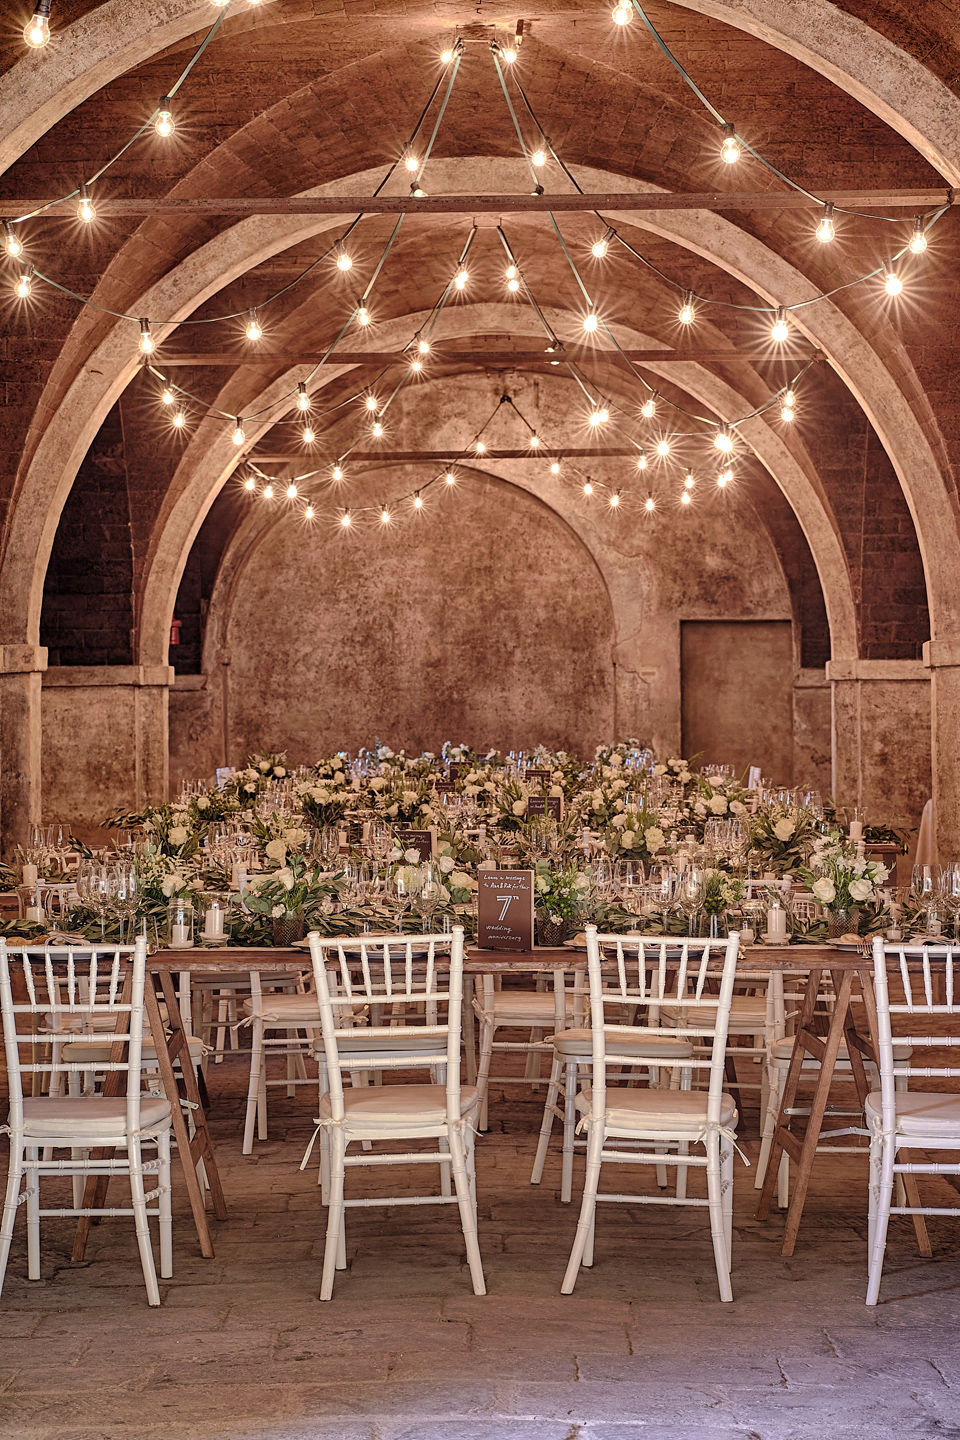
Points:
(180, 924)
(216, 919)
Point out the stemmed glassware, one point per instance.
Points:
(127, 893)
(950, 891)
(629, 883)
(402, 887)
(428, 894)
(690, 891)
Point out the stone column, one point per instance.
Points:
(21, 669)
(880, 711)
(942, 657)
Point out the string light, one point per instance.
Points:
(249, 483)
(446, 57)
(416, 365)
(363, 315)
(167, 397)
(723, 440)
(423, 346)
(371, 402)
(303, 399)
(687, 312)
(417, 191)
(164, 123)
(724, 478)
(239, 435)
(36, 32)
(538, 158)
(345, 520)
(376, 429)
(555, 467)
(411, 162)
(685, 498)
(254, 330)
(450, 478)
(826, 229)
(600, 247)
(787, 406)
(588, 487)
(337, 472)
(309, 513)
(891, 280)
(147, 346)
(598, 417)
(24, 285)
(307, 435)
(417, 500)
(460, 279)
(730, 151)
(513, 278)
(291, 491)
(509, 56)
(85, 207)
(649, 407)
(344, 261)
(663, 448)
(918, 240)
(780, 329)
(590, 321)
(384, 515)
(641, 462)
(11, 241)
(268, 492)
(689, 481)
(481, 448)
(622, 13)
(649, 504)
(179, 419)
(615, 499)
(534, 441)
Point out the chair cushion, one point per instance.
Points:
(286, 1009)
(529, 1007)
(397, 1105)
(64, 1023)
(921, 1113)
(651, 1047)
(402, 1039)
(783, 1050)
(667, 1110)
(747, 1013)
(97, 1052)
(89, 1116)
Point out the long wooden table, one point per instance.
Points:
(817, 1035)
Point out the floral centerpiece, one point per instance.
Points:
(558, 901)
(290, 897)
(781, 839)
(844, 883)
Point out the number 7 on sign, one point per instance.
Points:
(507, 902)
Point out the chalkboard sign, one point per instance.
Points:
(538, 777)
(457, 769)
(545, 805)
(420, 840)
(445, 787)
(505, 909)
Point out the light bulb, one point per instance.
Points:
(538, 158)
(309, 513)
(891, 280)
(167, 397)
(417, 191)
(509, 56)
(268, 492)
(687, 312)
(450, 478)
(615, 499)
(663, 448)
(513, 285)
(599, 248)
(343, 261)
(11, 241)
(622, 13)
(291, 491)
(534, 441)
(249, 483)
(363, 315)
(36, 32)
(649, 407)
(555, 467)
(423, 346)
(254, 330)
(371, 402)
(826, 230)
(511, 272)
(481, 448)
(85, 207)
(730, 151)
(685, 498)
(307, 435)
(146, 339)
(724, 478)
(179, 419)
(460, 279)
(588, 487)
(164, 123)
(416, 365)
(345, 519)
(337, 472)
(723, 440)
(641, 462)
(596, 418)
(918, 240)
(412, 163)
(590, 322)
(447, 56)
(238, 433)
(649, 504)
(303, 399)
(384, 515)
(376, 429)
(780, 330)
(688, 483)
(417, 501)
(787, 406)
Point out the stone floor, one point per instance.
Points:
(643, 1350)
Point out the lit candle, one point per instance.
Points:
(30, 875)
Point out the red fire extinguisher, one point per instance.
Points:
(175, 627)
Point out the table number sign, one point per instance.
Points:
(538, 777)
(505, 909)
(420, 840)
(546, 805)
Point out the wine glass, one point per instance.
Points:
(428, 894)
(690, 890)
(630, 879)
(402, 886)
(127, 894)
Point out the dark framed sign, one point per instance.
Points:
(505, 909)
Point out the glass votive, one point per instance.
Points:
(31, 904)
(180, 924)
(216, 919)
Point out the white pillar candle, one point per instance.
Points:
(776, 924)
(180, 937)
(34, 913)
(30, 876)
(213, 923)
(856, 829)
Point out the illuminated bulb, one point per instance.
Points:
(688, 482)
(164, 123)
(787, 406)
(685, 498)
(238, 434)
(891, 280)
(599, 248)
(220, 4)
(512, 272)
(622, 13)
(641, 462)
(36, 32)
(918, 240)
(85, 208)
(538, 158)
(363, 315)
(167, 397)
(345, 519)
(730, 149)
(254, 330)
(179, 419)
(663, 448)
(303, 399)
(686, 313)
(417, 501)
(371, 402)
(412, 163)
(376, 429)
(723, 440)
(416, 365)
(291, 491)
(513, 285)
(596, 418)
(417, 190)
(481, 448)
(534, 441)
(146, 339)
(11, 241)
(555, 468)
(588, 488)
(343, 261)
(423, 346)
(509, 56)
(385, 515)
(308, 435)
(724, 478)
(649, 504)
(460, 279)
(446, 57)
(249, 483)
(615, 499)
(309, 513)
(590, 322)
(337, 472)
(780, 330)
(268, 492)
(826, 230)
(450, 478)
(649, 408)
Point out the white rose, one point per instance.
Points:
(620, 820)
(619, 805)
(264, 766)
(582, 882)
(338, 777)
(737, 807)
(556, 791)
(718, 804)
(409, 796)
(519, 807)
(541, 884)
(284, 877)
(276, 850)
(659, 769)
(279, 771)
(412, 856)
(321, 795)
(203, 803)
(169, 884)
(700, 808)
(377, 784)
(294, 836)
(250, 789)
(783, 829)
(393, 811)
(628, 839)
(654, 837)
(616, 760)
(251, 773)
(618, 785)
(396, 853)
(446, 864)
(461, 880)
(825, 890)
(861, 890)
(178, 835)
(684, 777)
